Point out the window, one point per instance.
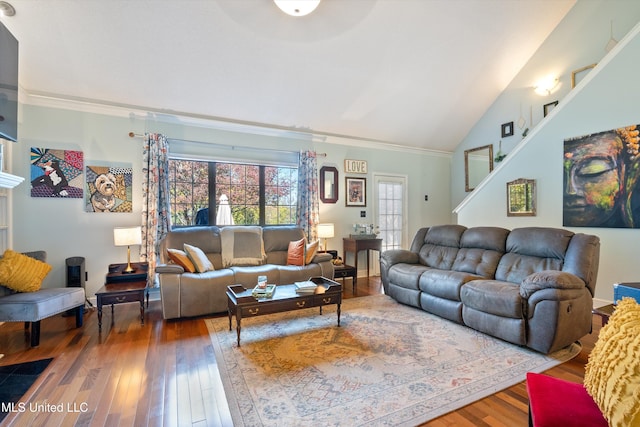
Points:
(257, 194)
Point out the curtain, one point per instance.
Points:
(156, 220)
(308, 198)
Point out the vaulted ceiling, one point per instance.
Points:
(418, 73)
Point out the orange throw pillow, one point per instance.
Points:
(295, 253)
(182, 259)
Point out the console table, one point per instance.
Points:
(356, 245)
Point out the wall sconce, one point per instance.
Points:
(545, 86)
(297, 7)
(325, 231)
(127, 236)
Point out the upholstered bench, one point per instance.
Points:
(30, 304)
(32, 307)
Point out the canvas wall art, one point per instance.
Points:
(56, 173)
(601, 173)
(108, 189)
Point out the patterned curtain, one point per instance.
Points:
(156, 219)
(308, 198)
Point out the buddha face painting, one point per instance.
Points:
(596, 192)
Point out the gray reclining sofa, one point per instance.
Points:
(530, 286)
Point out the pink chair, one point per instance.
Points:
(554, 402)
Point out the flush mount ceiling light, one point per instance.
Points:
(6, 9)
(297, 7)
(546, 85)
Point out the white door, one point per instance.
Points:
(391, 210)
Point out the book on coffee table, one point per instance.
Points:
(306, 287)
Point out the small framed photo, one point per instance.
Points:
(548, 107)
(356, 193)
(507, 129)
(578, 75)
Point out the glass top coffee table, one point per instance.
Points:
(242, 303)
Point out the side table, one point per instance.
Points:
(604, 312)
(116, 275)
(118, 293)
(344, 270)
(356, 245)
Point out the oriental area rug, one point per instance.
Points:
(386, 365)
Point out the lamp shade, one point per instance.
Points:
(126, 236)
(325, 231)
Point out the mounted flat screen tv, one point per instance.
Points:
(8, 85)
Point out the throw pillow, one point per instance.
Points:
(295, 253)
(312, 248)
(182, 259)
(242, 245)
(21, 272)
(612, 374)
(198, 258)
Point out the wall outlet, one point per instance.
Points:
(426, 198)
(363, 214)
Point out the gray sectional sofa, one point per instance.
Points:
(186, 294)
(530, 286)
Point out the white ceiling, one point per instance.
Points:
(418, 73)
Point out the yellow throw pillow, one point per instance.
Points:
(612, 374)
(295, 252)
(21, 272)
(198, 258)
(182, 259)
(312, 248)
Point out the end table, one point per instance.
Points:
(122, 288)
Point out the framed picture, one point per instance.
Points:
(356, 192)
(507, 129)
(578, 75)
(521, 197)
(548, 107)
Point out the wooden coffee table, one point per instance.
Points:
(241, 303)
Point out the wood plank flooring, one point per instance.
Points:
(164, 373)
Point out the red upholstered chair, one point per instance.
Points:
(554, 402)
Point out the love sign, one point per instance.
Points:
(355, 166)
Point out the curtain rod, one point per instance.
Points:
(138, 135)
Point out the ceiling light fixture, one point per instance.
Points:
(6, 9)
(546, 85)
(297, 7)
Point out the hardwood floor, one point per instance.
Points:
(164, 373)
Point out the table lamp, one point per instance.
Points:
(127, 236)
(325, 231)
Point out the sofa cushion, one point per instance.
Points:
(444, 283)
(242, 245)
(312, 249)
(198, 258)
(515, 268)
(407, 275)
(21, 272)
(182, 259)
(296, 252)
(491, 296)
(612, 374)
(541, 242)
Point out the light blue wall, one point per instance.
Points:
(63, 229)
(606, 99)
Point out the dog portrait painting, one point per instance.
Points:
(108, 189)
(56, 173)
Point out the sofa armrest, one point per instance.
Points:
(549, 279)
(397, 256)
(169, 269)
(321, 257)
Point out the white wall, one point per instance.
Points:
(606, 99)
(63, 229)
(579, 40)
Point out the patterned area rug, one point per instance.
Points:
(387, 364)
